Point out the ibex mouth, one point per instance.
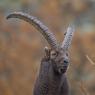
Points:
(62, 70)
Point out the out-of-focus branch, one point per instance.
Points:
(90, 60)
(83, 88)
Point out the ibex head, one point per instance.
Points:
(58, 54)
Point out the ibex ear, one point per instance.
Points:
(47, 52)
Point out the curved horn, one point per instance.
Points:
(68, 38)
(38, 25)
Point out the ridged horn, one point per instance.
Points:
(68, 38)
(38, 25)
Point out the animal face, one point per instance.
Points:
(60, 60)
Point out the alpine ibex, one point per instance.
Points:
(52, 78)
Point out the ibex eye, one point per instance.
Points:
(53, 54)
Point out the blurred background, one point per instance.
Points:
(22, 46)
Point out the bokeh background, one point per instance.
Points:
(22, 46)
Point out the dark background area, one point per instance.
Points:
(22, 46)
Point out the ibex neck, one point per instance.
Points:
(48, 82)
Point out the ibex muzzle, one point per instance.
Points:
(52, 75)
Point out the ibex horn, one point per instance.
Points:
(38, 25)
(68, 38)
